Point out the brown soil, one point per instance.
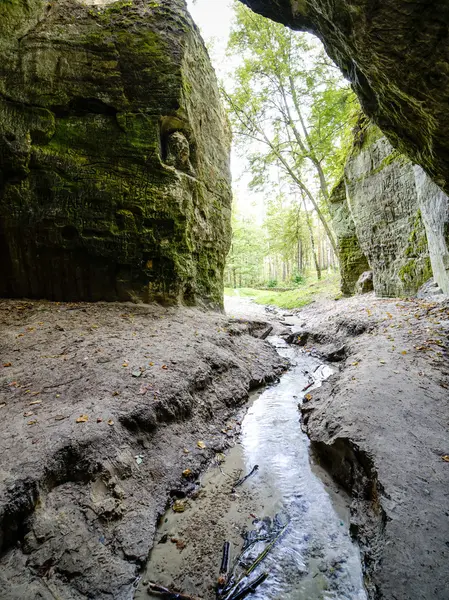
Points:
(101, 410)
(381, 426)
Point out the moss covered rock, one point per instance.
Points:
(384, 205)
(351, 258)
(114, 154)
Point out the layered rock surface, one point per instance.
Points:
(114, 154)
(383, 202)
(388, 210)
(352, 260)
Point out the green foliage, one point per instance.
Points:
(327, 288)
(290, 109)
(272, 283)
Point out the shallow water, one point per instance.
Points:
(316, 558)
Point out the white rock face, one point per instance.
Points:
(383, 201)
(435, 213)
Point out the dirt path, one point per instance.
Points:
(102, 408)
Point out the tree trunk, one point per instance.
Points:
(312, 241)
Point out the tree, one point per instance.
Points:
(289, 108)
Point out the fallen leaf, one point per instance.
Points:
(151, 364)
(28, 414)
(35, 402)
(2, 404)
(382, 362)
(125, 364)
(115, 393)
(136, 373)
(404, 352)
(355, 363)
(179, 506)
(220, 457)
(186, 451)
(33, 422)
(445, 458)
(389, 315)
(180, 545)
(60, 417)
(201, 444)
(110, 422)
(164, 367)
(186, 473)
(7, 364)
(82, 419)
(308, 397)
(99, 419)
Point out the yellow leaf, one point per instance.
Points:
(164, 367)
(35, 402)
(125, 364)
(201, 444)
(179, 506)
(186, 473)
(82, 419)
(186, 451)
(404, 352)
(389, 315)
(110, 422)
(33, 422)
(308, 397)
(8, 364)
(445, 458)
(151, 364)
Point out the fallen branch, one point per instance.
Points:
(250, 588)
(266, 333)
(264, 552)
(241, 481)
(154, 588)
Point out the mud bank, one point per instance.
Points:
(102, 408)
(380, 425)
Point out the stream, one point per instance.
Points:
(315, 559)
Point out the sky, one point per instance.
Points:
(214, 18)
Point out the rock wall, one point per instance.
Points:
(388, 210)
(383, 201)
(352, 260)
(396, 54)
(114, 154)
(434, 206)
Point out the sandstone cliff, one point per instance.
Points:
(388, 210)
(114, 154)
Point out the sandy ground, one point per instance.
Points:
(79, 499)
(102, 408)
(381, 425)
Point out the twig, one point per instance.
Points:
(266, 333)
(250, 588)
(166, 593)
(49, 387)
(241, 481)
